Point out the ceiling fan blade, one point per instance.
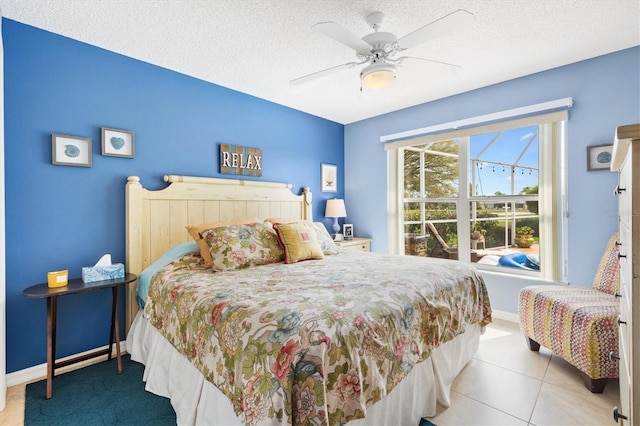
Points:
(430, 60)
(336, 32)
(315, 75)
(448, 67)
(437, 28)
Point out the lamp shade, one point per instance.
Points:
(335, 208)
(378, 75)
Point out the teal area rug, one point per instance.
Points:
(97, 395)
(425, 422)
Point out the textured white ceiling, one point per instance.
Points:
(258, 46)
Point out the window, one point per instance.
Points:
(492, 195)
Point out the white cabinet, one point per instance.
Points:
(360, 244)
(626, 161)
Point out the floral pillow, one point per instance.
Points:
(324, 239)
(242, 246)
(194, 231)
(298, 241)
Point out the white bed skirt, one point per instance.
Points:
(198, 402)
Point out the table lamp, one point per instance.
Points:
(335, 209)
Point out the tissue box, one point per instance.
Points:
(101, 273)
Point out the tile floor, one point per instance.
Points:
(505, 384)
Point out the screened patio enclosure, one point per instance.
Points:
(485, 186)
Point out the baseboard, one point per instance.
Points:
(39, 372)
(505, 316)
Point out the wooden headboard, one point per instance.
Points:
(156, 220)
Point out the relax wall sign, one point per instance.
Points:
(240, 160)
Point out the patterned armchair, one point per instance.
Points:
(578, 324)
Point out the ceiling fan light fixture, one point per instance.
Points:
(378, 75)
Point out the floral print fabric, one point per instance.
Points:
(241, 246)
(314, 342)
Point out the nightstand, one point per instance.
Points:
(360, 244)
(77, 286)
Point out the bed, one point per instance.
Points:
(335, 339)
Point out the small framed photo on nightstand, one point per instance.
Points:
(347, 228)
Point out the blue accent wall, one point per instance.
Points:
(61, 217)
(606, 94)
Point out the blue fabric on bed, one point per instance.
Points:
(144, 280)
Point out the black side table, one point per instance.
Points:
(77, 286)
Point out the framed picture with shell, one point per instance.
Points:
(328, 177)
(117, 143)
(67, 150)
(599, 157)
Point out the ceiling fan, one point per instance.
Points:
(379, 49)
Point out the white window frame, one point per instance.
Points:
(552, 203)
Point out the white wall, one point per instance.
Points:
(3, 321)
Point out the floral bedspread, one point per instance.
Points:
(318, 341)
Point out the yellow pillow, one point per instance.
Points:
(322, 235)
(298, 241)
(194, 231)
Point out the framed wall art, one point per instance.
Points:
(328, 177)
(69, 150)
(599, 157)
(240, 160)
(117, 143)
